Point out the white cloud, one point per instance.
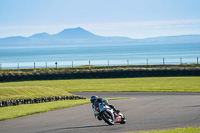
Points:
(121, 25)
(145, 24)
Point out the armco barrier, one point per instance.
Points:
(37, 100)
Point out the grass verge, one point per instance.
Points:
(178, 130)
(29, 109)
(171, 84)
(30, 92)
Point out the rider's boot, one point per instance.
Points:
(117, 111)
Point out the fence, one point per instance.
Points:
(56, 64)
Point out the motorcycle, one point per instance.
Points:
(102, 111)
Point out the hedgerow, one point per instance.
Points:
(99, 72)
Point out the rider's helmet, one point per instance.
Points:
(93, 99)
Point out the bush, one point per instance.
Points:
(100, 72)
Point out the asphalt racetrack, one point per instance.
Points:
(148, 111)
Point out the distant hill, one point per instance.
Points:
(79, 36)
(75, 34)
(171, 39)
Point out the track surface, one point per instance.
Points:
(149, 111)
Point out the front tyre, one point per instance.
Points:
(123, 121)
(107, 117)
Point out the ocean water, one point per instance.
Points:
(98, 55)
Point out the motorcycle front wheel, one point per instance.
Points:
(123, 121)
(107, 117)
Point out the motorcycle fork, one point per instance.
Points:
(108, 116)
(116, 115)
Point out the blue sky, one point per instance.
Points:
(131, 18)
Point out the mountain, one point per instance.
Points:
(74, 36)
(14, 40)
(171, 39)
(80, 36)
(40, 36)
(75, 33)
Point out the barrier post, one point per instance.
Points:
(89, 64)
(34, 65)
(163, 61)
(56, 63)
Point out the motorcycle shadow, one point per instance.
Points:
(86, 127)
(74, 128)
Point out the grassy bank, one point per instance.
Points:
(178, 130)
(29, 91)
(29, 109)
(172, 84)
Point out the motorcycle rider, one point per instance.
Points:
(95, 99)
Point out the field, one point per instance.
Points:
(29, 89)
(25, 92)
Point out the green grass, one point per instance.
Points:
(29, 91)
(29, 109)
(178, 130)
(172, 84)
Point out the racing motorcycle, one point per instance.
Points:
(102, 111)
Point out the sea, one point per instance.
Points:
(72, 56)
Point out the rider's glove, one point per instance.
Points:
(111, 106)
